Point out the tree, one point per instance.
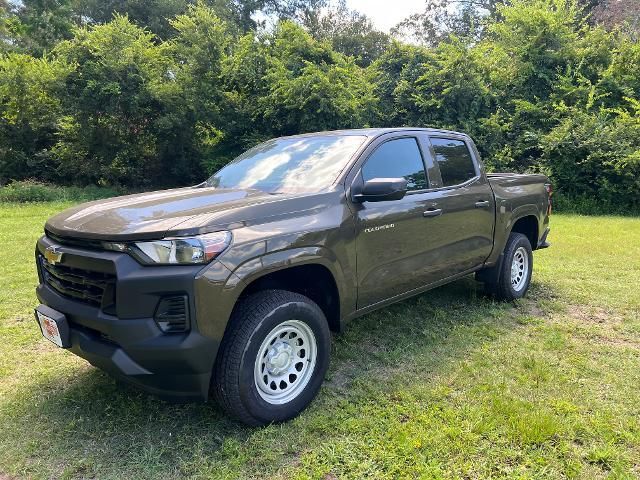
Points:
(5, 26)
(623, 14)
(450, 90)
(541, 86)
(285, 82)
(154, 15)
(242, 12)
(349, 32)
(195, 101)
(36, 26)
(110, 128)
(30, 109)
(441, 18)
(311, 87)
(396, 71)
(595, 155)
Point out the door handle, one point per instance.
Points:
(482, 204)
(436, 212)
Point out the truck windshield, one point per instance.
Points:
(290, 165)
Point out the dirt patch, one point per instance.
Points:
(617, 342)
(341, 378)
(526, 308)
(594, 314)
(602, 326)
(530, 307)
(22, 319)
(344, 375)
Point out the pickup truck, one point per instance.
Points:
(230, 289)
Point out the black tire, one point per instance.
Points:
(257, 316)
(504, 289)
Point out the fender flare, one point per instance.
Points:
(507, 224)
(271, 262)
(527, 210)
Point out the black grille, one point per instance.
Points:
(75, 242)
(94, 288)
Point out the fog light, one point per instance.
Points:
(172, 314)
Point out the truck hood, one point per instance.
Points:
(180, 212)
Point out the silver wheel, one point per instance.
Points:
(519, 269)
(285, 362)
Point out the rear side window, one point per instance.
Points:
(454, 160)
(395, 159)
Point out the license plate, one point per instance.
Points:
(49, 328)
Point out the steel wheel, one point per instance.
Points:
(285, 362)
(519, 269)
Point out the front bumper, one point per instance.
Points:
(127, 342)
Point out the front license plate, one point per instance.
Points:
(52, 329)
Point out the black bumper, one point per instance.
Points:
(127, 342)
(542, 243)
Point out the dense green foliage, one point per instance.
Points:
(29, 191)
(138, 104)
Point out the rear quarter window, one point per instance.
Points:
(454, 160)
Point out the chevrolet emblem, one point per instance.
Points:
(52, 255)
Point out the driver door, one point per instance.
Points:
(392, 237)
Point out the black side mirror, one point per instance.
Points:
(382, 190)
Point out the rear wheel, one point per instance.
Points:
(273, 359)
(514, 277)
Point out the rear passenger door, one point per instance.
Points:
(466, 201)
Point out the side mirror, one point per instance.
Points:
(382, 190)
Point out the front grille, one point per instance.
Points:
(75, 242)
(94, 288)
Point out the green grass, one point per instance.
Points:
(446, 385)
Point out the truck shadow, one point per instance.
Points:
(92, 425)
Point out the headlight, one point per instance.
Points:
(179, 251)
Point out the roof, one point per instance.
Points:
(375, 132)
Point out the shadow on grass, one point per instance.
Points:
(91, 426)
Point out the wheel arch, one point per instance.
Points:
(313, 272)
(527, 225)
(525, 221)
(313, 280)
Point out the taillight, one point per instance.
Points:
(549, 188)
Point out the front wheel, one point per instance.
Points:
(514, 276)
(273, 359)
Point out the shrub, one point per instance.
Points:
(540, 90)
(595, 157)
(35, 191)
(30, 109)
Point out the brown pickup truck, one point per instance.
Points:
(230, 288)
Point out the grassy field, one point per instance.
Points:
(446, 385)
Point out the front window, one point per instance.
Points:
(397, 158)
(290, 165)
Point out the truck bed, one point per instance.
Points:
(518, 195)
(513, 179)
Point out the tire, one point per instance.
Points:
(275, 338)
(514, 277)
